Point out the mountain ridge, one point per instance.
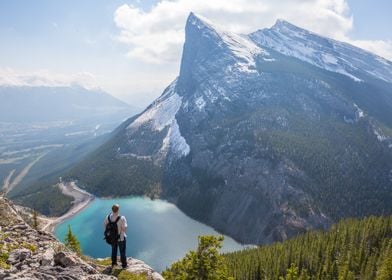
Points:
(277, 37)
(57, 103)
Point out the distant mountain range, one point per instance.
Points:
(46, 130)
(262, 136)
(45, 104)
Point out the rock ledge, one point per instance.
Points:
(26, 253)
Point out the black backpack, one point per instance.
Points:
(111, 234)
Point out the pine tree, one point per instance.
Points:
(351, 249)
(292, 273)
(304, 275)
(203, 264)
(72, 242)
(385, 271)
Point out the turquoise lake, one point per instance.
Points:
(158, 232)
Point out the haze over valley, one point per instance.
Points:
(45, 130)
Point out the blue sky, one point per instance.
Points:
(372, 19)
(111, 43)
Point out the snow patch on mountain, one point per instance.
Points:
(295, 45)
(200, 103)
(240, 45)
(380, 136)
(359, 112)
(329, 59)
(162, 112)
(379, 133)
(322, 52)
(212, 96)
(175, 142)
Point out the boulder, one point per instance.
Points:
(47, 258)
(156, 276)
(65, 260)
(139, 267)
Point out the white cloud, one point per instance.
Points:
(12, 77)
(158, 34)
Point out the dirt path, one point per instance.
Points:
(81, 200)
(8, 186)
(7, 180)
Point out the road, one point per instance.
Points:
(7, 181)
(9, 185)
(81, 200)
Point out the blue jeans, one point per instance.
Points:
(123, 247)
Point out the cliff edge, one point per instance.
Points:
(26, 253)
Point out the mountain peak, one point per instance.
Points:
(205, 39)
(199, 20)
(281, 25)
(224, 37)
(199, 23)
(280, 21)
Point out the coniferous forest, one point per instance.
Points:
(351, 249)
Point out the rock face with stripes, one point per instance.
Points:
(262, 136)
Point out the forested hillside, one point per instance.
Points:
(351, 249)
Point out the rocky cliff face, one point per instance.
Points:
(262, 136)
(26, 253)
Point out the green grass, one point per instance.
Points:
(3, 260)
(126, 275)
(103, 262)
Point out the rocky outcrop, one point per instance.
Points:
(139, 267)
(26, 253)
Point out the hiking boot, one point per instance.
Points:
(112, 267)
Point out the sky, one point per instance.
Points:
(132, 48)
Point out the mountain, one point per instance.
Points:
(45, 104)
(263, 136)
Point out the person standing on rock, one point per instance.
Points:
(115, 234)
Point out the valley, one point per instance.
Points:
(45, 136)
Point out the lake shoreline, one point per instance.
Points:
(159, 233)
(82, 199)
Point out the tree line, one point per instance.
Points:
(351, 249)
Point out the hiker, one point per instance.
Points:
(115, 234)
